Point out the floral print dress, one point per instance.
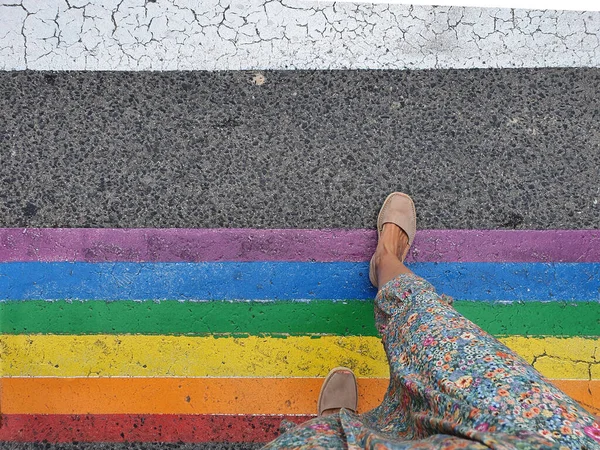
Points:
(451, 386)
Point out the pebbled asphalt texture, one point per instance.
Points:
(510, 148)
(486, 148)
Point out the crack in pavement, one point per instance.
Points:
(287, 34)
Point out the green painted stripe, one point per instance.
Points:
(196, 318)
(534, 318)
(273, 318)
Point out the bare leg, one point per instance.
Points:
(392, 246)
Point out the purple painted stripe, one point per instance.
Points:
(223, 244)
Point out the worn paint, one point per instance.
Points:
(292, 35)
(173, 395)
(109, 371)
(587, 393)
(247, 244)
(163, 356)
(142, 428)
(351, 317)
(202, 395)
(288, 281)
(297, 356)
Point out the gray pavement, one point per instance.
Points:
(507, 148)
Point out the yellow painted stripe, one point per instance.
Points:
(168, 356)
(572, 358)
(303, 356)
(202, 395)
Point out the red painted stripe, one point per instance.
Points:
(223, 244)
(141, 428)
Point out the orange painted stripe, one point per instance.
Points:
(586, 392)
(203, 395)
(172, 395)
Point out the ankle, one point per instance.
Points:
(386, 250)
(393, 240)
(385, 256)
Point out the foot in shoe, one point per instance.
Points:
(392, 241)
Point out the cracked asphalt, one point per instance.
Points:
(287, 34)
(477, 149)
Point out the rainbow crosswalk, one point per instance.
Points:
(200, 335)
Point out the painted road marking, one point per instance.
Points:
(291, 34)
(542, 5)
(59, 428)
(200, 395)
(289, 281)
(347, 317)
(247, 244)
(253, 356)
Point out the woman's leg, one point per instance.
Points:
(452, 385)
(393, 243)
(448, 376)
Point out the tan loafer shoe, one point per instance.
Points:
(399, 209)
(339, 390)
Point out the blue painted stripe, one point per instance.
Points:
(289, 280)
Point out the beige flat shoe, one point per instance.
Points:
(399, 209)
(339, 390)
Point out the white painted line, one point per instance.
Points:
(556, 5)
(287, 34)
